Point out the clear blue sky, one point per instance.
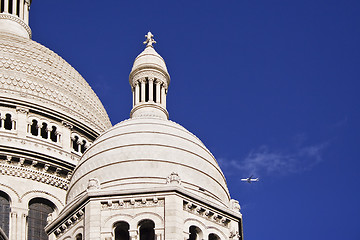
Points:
(271, 88)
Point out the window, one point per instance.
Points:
(195, 233)
(44, 132)
(122, 231)
(8, 122)
(75, 143)
(83, 146)
(39, 210)
(34, 128)
(78, 237)
(4, 212)
(53, 135)
(213, 236)
(146, 229)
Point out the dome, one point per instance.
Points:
(149, 59)
(141, 153)
(33, 75)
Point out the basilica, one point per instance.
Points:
(68, 174)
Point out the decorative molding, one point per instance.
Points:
(22, 110)
(67, 125)
(173, 179)
(206, 213)
(35, 175)
(132, 203)
(68, 223)
(17, 20)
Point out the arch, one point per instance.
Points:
(44, 130)
(213, 236)
(28, 196)
(217, 232)
(146, 229)
(77, 231)
(121, 230)
(5, 212)
(34, 127)
(13, 195)
(8, 121)
(53, 133)
(110, 221)
(156, 218)
(194, 228)
(39, 209)
(79, 236)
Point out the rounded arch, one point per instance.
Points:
(79, 229)
(13, 195)
(5, 210)
(146, 229)
(217, 232)
(156, 218)
(26, 198)
(121, 230)
(38, 217)
(195, 228)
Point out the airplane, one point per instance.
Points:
(250, 179)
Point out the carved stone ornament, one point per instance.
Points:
(22, 110)
(93, 184)
(67, 124)
(173, 179)
(234, 235)
(234, 205)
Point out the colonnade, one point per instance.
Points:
(149, 90)
(19, 8)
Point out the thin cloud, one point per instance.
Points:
(264, 161)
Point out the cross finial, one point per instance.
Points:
(149, 39)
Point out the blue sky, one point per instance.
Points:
(271, 88)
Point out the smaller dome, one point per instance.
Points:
(149, 58)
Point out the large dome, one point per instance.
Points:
(140, 153)
(33, 75)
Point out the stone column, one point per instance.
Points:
(137, 97)
(158, 91)
(26, 11)
(6, 6)
(21, 6)
(13, 225)
(163, 96)
(133, 234)
(143, 90)
(66, 136)
(151, 89)
(22, 121)
(14, 7)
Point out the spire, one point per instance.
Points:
(149, 80)
(14, 17)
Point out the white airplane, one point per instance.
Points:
(250, 179)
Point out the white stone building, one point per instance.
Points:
(65, 167)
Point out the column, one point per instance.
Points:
(2, 122)
(66, 139)
(163, 96)
(13, 225)
(6, 6)
(151, 89)
(14, 8)
(143, 90)
(21, 6)
(137, 97)
(133, 234)
(158, 91)
(26, 11)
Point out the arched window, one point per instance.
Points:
(79, 237)
(8, 122)
(39, 209)
(75, 143)
(195, 233)
(213, 236)
(34, 128)
(83, 146)
(146, 229)
(122, 231)
(4, 212)
(44, 132)
(53, 135)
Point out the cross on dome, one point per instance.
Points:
(149, 39)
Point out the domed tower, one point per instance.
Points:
(49, 116)
(148, 177)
